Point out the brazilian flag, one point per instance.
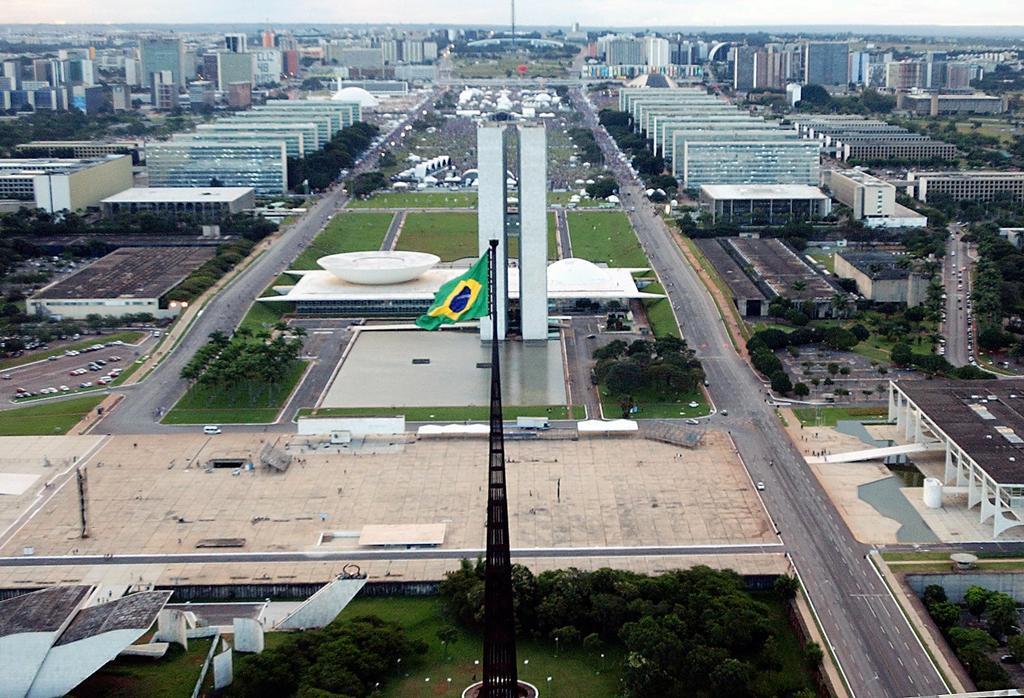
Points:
(462, 298)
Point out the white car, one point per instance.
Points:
(760, 486)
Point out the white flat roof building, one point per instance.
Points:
(770, 203)
(201, 202)
(568, 281)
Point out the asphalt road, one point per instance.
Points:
(876, 646)
(956, 279)
(140, 411)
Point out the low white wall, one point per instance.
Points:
(357, 426)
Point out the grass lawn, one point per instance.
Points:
(448, 235)
(827, 259)
(831, 415)
(659, 313)
(263, 315)
(447, 414)
(605, 237)
(419, 199)
(206, 405)
(126, 337)
(575, 671)
(552, 237)
(473, 67)
(173, 676)
(346, 232)
(562, 197)
(47, 418)
(652, 407)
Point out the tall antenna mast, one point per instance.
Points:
(513, 25)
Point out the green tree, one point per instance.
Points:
(801, 390)
(781, 383)
(813, 654)
(1016, 646)
(945, 614)
(976, 599)
(624, 378)
(901, 354)
(448, 635)
(786, 586)
(1000, 613)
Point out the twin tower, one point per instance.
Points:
(497, 215)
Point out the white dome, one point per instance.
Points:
(374, 268)
(574, 274)
(355, 94)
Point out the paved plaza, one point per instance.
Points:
(847, 483)
(386, 368)
(156, 494)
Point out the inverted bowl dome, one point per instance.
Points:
(374, 268)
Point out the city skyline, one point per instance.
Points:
(606, 13)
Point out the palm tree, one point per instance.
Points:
(840, 304)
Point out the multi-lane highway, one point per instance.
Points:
(877, 648)
(145, 402)
(956, 282)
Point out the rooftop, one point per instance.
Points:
(27, 166)
(178, 194)
(40, 611)
(131, 272)
(762, 191)
(135, 611)
(985, 418)
(781, 269)
(879, 265)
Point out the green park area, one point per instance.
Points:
(605, 237)
(450, 236)
(645, 379)
(659, 313)
(131, 337)
(47, 418)
(346, 232)
(506, 66)
(552, 237)
(236, 403)
(417, 199)
(575, 671)
(262, 316)
(830, 416)
(562, 198)
(479, 413)
(651, 404)
(173, 676)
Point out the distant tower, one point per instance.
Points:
(513, 25)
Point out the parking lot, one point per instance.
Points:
(73, 369)
(851, 372)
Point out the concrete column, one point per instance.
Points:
(492, 193)
(533, 232)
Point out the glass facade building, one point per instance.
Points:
(162, 54)
(297, 144)
(783, 161)
(308, 130)
(180, 163)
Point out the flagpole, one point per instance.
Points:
(500, 675)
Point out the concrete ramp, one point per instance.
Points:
(323, 606)
(874, 453)
(153, 650)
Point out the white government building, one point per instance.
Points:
(403, 284)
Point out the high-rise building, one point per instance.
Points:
(493, 225)
(132, 72)
(826, 63)
(624, 50)
(240, 95)
(162, 54)
(233, 68)
(906, 75)
(262, 166)
(743, 67)
(236, 43)
(267, 66)
(269, 38)
(656, 52)
(164, 90)
(860, 66)
(390, 50)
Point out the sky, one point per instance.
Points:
(593, 13)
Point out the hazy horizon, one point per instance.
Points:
(953, 16)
